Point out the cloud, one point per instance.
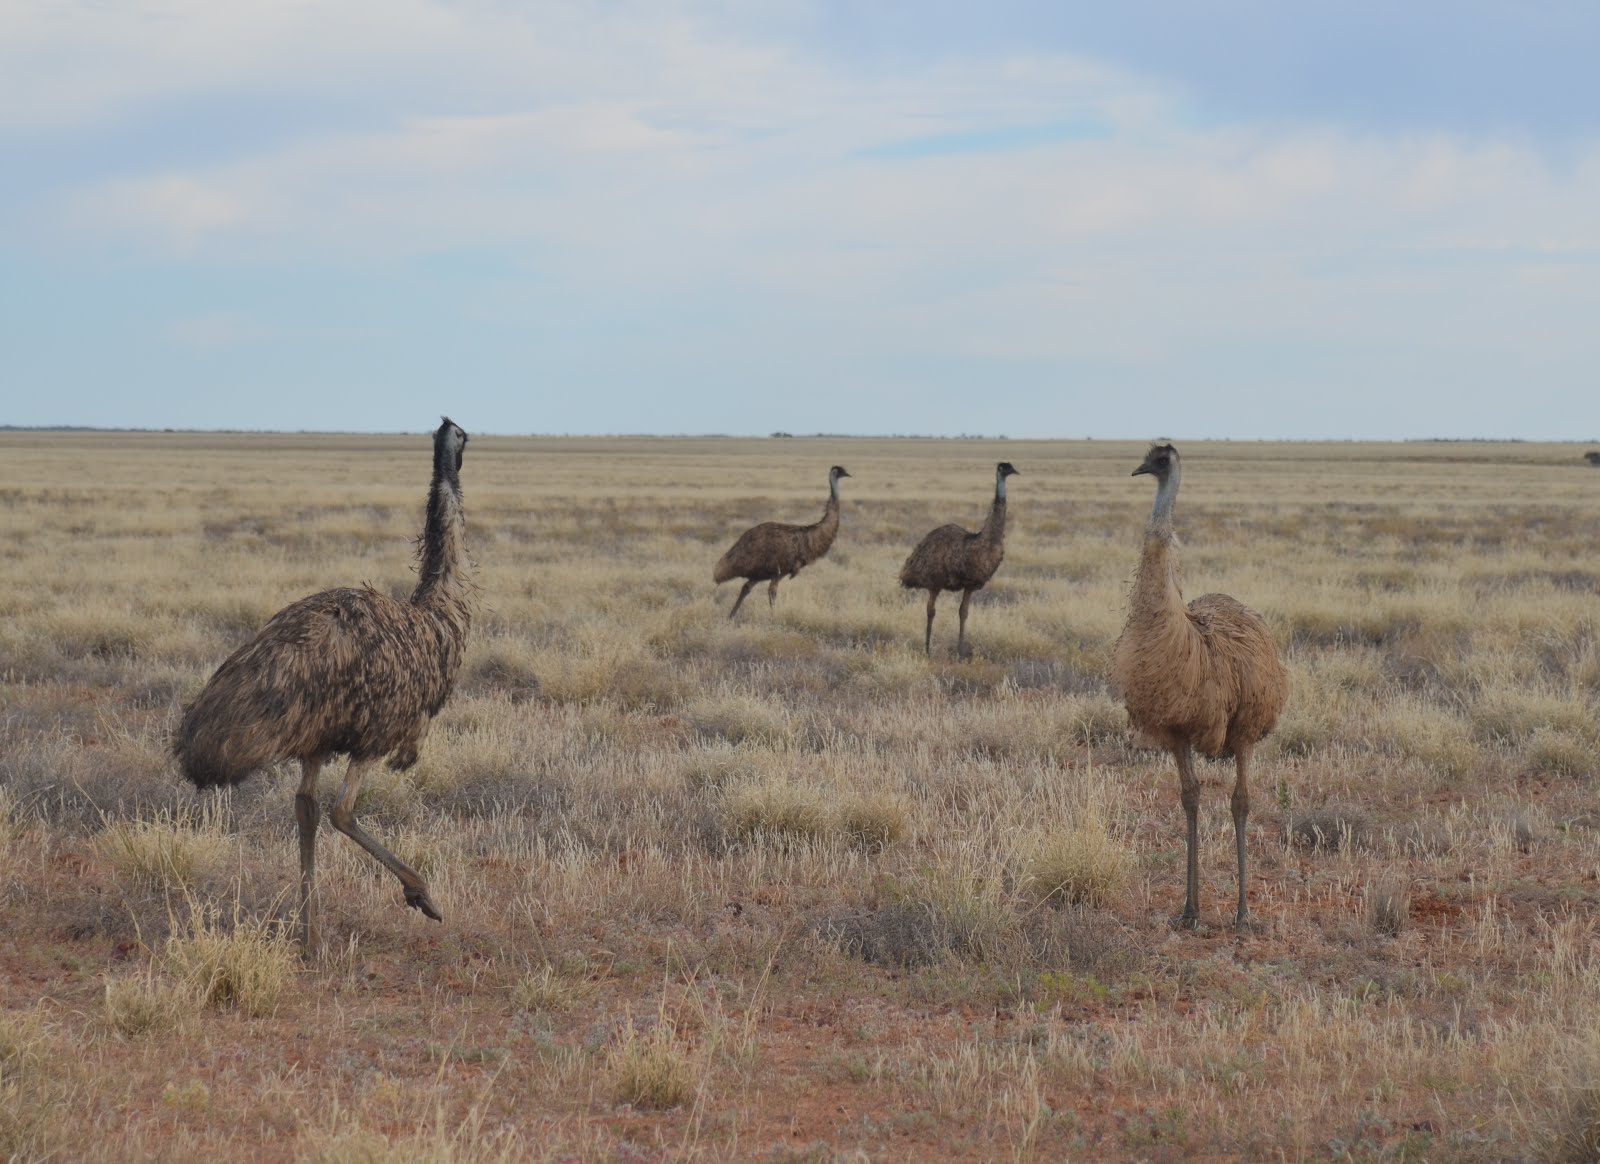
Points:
(730, 193)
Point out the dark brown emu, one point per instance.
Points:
(773, 551)
(344, 672)
(950, 558)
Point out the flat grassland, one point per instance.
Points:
(784, 889)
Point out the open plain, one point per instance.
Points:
(784, 888)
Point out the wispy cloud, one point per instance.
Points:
(682, 190)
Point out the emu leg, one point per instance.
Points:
(738, 602)
(307, 813)
(961, 637)
(927, 638)
(1241, 814)
(1189, 790)
(344, 819)
(772, 592)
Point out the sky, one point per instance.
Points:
(1203, 218)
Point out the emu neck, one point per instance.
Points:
(1161, 512)
(1157, 590)
(829, 525)
(833, 490)
(994, 526)
(441, 574)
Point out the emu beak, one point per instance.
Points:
(1141, 470)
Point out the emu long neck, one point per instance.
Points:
(1158, 589)
(994, 526)
(820, 536)
(833, 490)
(1161, 512)
(442, 572)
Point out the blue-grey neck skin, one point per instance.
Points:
(833, 485)
(999, 485)
(1166, 494)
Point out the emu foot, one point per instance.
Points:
(418, 899)
(1187, 920)
(1245, 924)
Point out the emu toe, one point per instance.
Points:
(418, 899)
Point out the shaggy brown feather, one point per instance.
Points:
(344, 672)
(1203, 677)
(773, 550)
(1207, 673)
(952, 558)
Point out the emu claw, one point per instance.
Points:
(418, 899)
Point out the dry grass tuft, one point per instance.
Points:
(169, 852)
(245, 965)
(1388, 906)
(1333, 828)
(24, 1040)
(1563, 1117)
(777, 811)
(1562, 753)
(872, 822)
(11, 825)
(1083, 866)
(548, 990)
(902, 934)
(468, 1143)
(1514, 715)
(652, 1070)
(144, 1004)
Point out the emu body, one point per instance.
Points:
(344, 672)
(1198, 678)
(773, 551)
(952, 558)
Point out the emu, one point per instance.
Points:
(1203, 678)
(950, 558)
(345, 672)
(773, 551)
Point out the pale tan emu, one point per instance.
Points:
(1199, 678)
(344, 672)
(773, 551)
(950, 558)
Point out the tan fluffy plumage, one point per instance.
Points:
(952, 558)
(345, 672)
(773, 551)
(1198, 678)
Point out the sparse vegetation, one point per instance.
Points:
(825, 870)
(145, 1004)
(651, 1069)
(245, 964)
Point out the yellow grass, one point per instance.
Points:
(879, 905)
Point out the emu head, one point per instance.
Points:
(1159, 462)
(1007, 469)
(837, 471)
(449, 442)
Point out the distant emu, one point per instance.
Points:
(773, 551)
(344, 672)
(1204, 678)
(950, 558)
(1593, 457)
